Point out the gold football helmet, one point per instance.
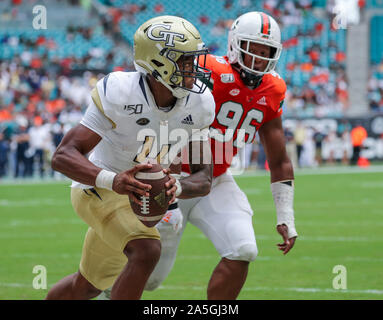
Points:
(163, 46)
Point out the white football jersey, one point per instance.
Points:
(134, 129)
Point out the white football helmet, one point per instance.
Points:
(257, 27)
(160, 42)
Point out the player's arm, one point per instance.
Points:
(273, 140)
(282, 180)
(198, 184)
(70, 159)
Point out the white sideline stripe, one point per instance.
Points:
(312, 290)
(275, 258)
(199, 288)
(32, 203)
(15, 285)
(340, 224)
(258, 237)
(199, 257)
(46, 222)
(318, 171)
(246, 174)
(31, 182)
(44, 255)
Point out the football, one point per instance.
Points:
(154, 207)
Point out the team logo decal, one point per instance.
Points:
(143, 121)
(161, 199)
(134, 108)
(188, 120)
(220, 59)
(164, 35)
(234, 92)
(262, 101)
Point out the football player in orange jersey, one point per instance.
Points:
(248, 94)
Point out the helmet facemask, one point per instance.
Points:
(275, 52)
(189, 65)
(254, 28)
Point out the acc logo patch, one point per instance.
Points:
(143, 121)
(234, 92)
(220, 59)
(227, 77)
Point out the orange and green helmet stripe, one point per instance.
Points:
(266, 25)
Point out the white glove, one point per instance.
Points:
(173, 218)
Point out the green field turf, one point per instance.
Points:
(339, 218)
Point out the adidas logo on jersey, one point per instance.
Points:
(262, 101)
(188, 120)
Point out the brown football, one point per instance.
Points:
(155, 206)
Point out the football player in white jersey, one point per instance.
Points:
(135, 116)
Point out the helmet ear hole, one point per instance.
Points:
(273, 51)
(157, 63)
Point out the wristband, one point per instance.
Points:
(105, 179)
(283, 194)
(179, 187)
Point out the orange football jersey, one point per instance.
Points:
(240, 111)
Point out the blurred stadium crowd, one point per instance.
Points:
(46, 75)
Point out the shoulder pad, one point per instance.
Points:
(109, 87)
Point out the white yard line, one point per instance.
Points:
(310, 290)
(306, 238)
(199, 257)
(280, 258)
(249, 289)
(46, 222)
(318, 171)
(32, 203)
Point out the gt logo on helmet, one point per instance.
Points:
(164, 35)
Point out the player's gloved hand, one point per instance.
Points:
(173, 219)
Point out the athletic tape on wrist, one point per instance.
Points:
(283, 194)
(179, 187)
(105, 179)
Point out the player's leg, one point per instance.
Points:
(143, 255)
(73, 287)
(227, 279)
(228, 224)
(170, 240)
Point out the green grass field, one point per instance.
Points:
(339, 218)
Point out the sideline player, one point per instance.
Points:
(249, 95)
(122, 128)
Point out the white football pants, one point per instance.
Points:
(224, 216)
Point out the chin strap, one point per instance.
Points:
(178, 93)
(248, 78)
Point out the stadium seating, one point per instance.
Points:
(313, 57)
(300, 36)
(375, 87)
